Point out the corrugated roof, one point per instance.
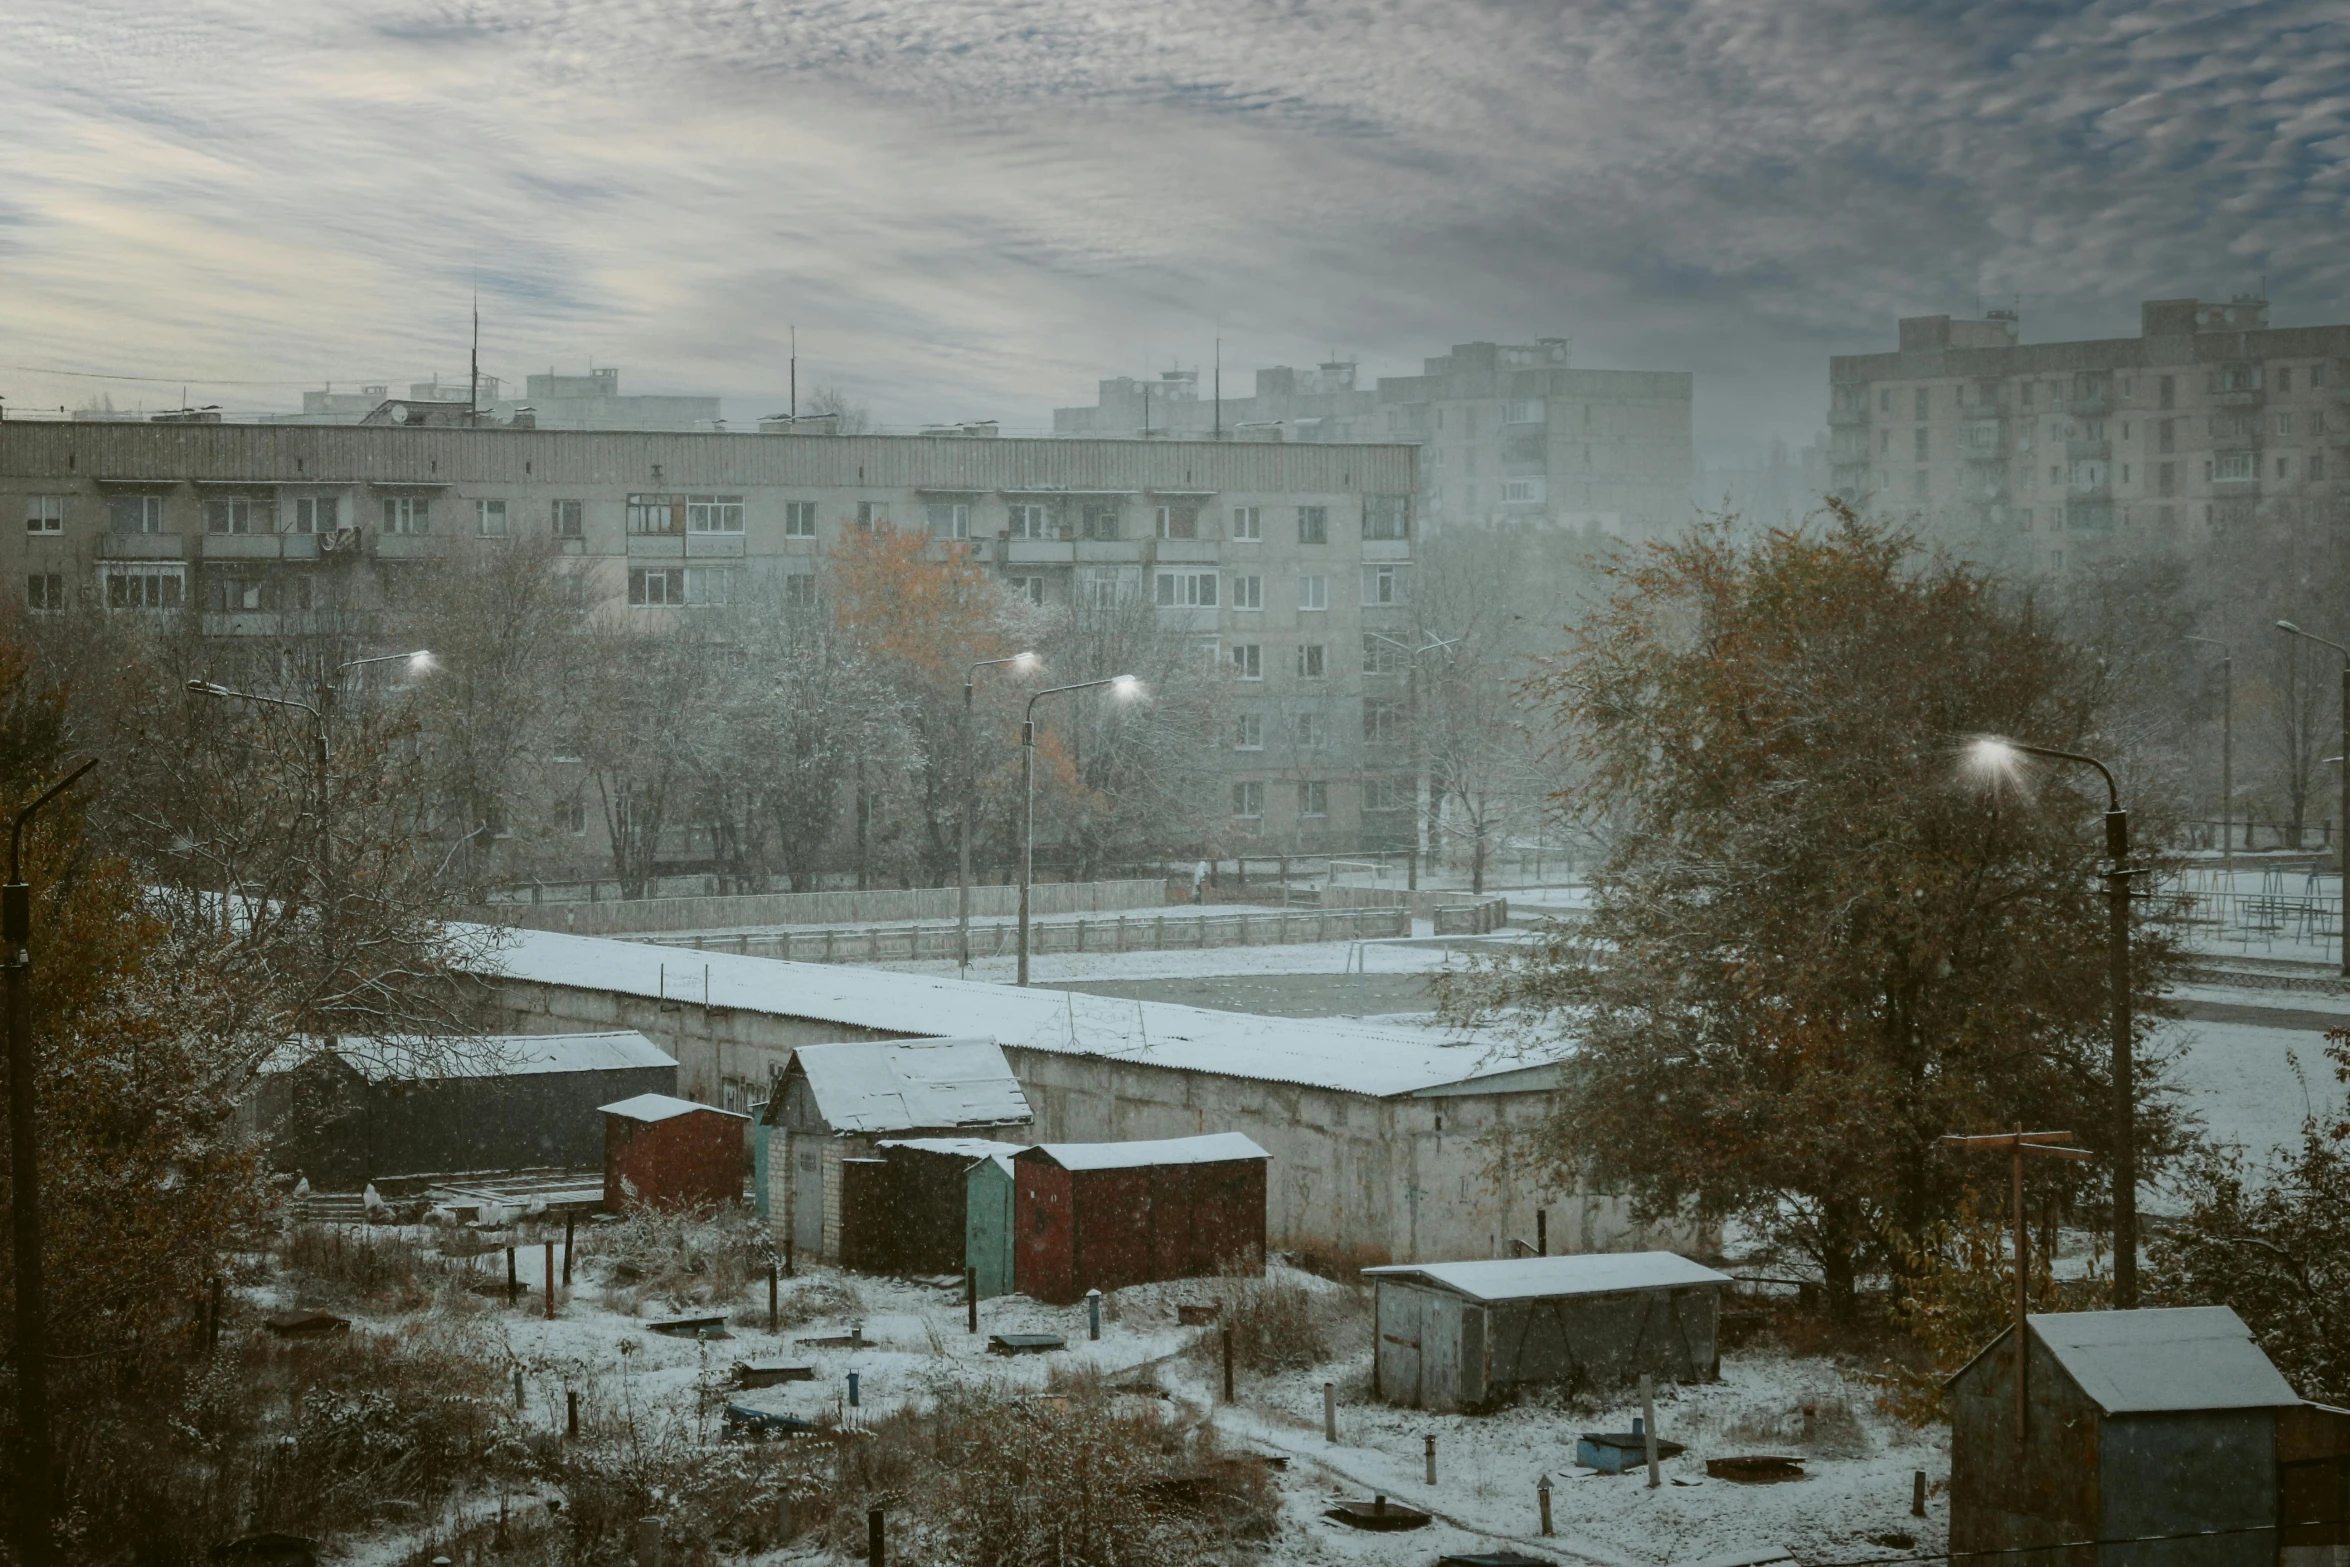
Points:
(489, 1055)
(662, 1107)
(1537, 1278)
(902, 1085)
(1315, 1052)
(1212, 1148)
(2162, 1361)
(972, 1148)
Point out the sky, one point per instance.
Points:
(979, 208)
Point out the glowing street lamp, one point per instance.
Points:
(1126, 688)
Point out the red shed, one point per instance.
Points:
(1105, 1215)
(667, 1152)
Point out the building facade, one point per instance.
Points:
(1507, 432)
(2209, 426)
(1290, 564)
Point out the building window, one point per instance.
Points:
(230, 595)
(571, 816)
(1248, 524)
(1918, 439)
(139, 585)
(1248, 660)
(2166, 478)
(44, 592)
(711, 586)
(316, 514)
(1311, 731)
(1248, 732)
(2317, 470)
(2284, 467)
(1107, 589)
(1313, 592)
(1179, 522)
(2285, 378)
(2283, 424)
(1029, 521)
(2166, 391)
(1311, 665)
(239, 514)
(1384, 655)
(2024, 519)
(1387, 794)
(44, 514)
(799, 519)
(1313, 525)
(1248, 799)
(656, 514)
(799, 590)
(1248, 592)
(1922, 405)
(1030, 589)
(1099, 520)
(1383, 722)
(1521, 492)
(948, 519)
(135, 514)
(2165, 435)
(1186, 590)
(407, 514)
(871, 512)
(569, 519)
(2234, 467)
(2025, 401)
(489, 519)
(1917, 484)
(1313, 797)
(655, 587)
(1383, 585)
(1885, 401)
(1387, 516)
(1522, 410)
(714, 514)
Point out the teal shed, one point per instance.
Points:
(987, 1227)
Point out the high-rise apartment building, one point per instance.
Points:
(1507, 432)
(2210, 425)
(1289, 564)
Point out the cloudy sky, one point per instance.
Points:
(977, 208)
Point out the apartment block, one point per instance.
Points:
(1290, 564)
(2210, 426)
(1507, 432)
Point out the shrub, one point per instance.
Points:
(680, 1257)
(1958, 1295)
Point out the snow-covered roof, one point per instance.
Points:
(972, 1148)
(1316, 1052)
(1538, 1278)
(487, 1055)
(900, 1085)
(662, 1107)
(1213, 1148)
(2163, 1361)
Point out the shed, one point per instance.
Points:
(1106, 1215)
(913, 1214)
(987, 1226)
(835, 1103)
(667, 1152)
(2137, 1425)
(1453, 1335)
(362, 1110)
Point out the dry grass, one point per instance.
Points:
(331, 1265)
(678, 1259)
(1280, 1324)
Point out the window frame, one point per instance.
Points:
(1248, 660)
(1180, 587)
(1313, 799)
(1313, 592)
(719, 515)
(1313, 661)
(44, 516)
(640, 582)
(799, 519)
(1248, 524)
(1313, 525)
(487, 512)
(408, 516)
(174, 573)
(1248, 799)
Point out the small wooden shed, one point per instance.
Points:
(834, 1104)
(1106, 1215)
(2165, 1428)
(666, 1152)
(908, 1211)
(1453, 1335)
(987, 1225)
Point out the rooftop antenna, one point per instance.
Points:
(1219, 389)
(795, 373)
(473, 372)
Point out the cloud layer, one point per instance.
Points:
(977, 208)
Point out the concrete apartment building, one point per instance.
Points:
(556, 402)
(1288, 562)
(1507, 432)
(2209, 425)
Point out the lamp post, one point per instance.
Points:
(24, 1170)
(1420, 820)
(2343, 833)
(1128, 687)
(2227, 756)
(1021, 662)
(2000, 754)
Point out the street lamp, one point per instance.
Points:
(1419, 745)
(2291, 630)
(1998, 756)
(24, 1169)
(1022, 663)
(2227, 755)
(1128, 688)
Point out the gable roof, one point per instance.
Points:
(973, 1148)
(488, 1055)
(1212, 1148)
(2162, 1360)
(663, 1107)
(1538, 1278)
(911, 1085)
(1333, 1053)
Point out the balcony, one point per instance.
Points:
(2090, 405)
(403, 546)
(1038, 552)
(1858, 413)
(2088, 451)
(142, 546)
(2241, 397)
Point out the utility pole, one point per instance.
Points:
(795, 373)
(24, 1170)
(473, 377)
(1219, 393)
(2227, 756)
(2018, 1143)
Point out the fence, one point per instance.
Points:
(1111, 933)
(649, 916)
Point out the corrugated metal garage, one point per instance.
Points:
(1106, 1215)
(666, 1152)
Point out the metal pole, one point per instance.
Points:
(2227, 768)
(2022, 1288)
(2125, 1109)
(1330, 1413)
(32, 1337)
(1648, 1425)
(1027, 825)
(2343, 833)
(963, 846)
